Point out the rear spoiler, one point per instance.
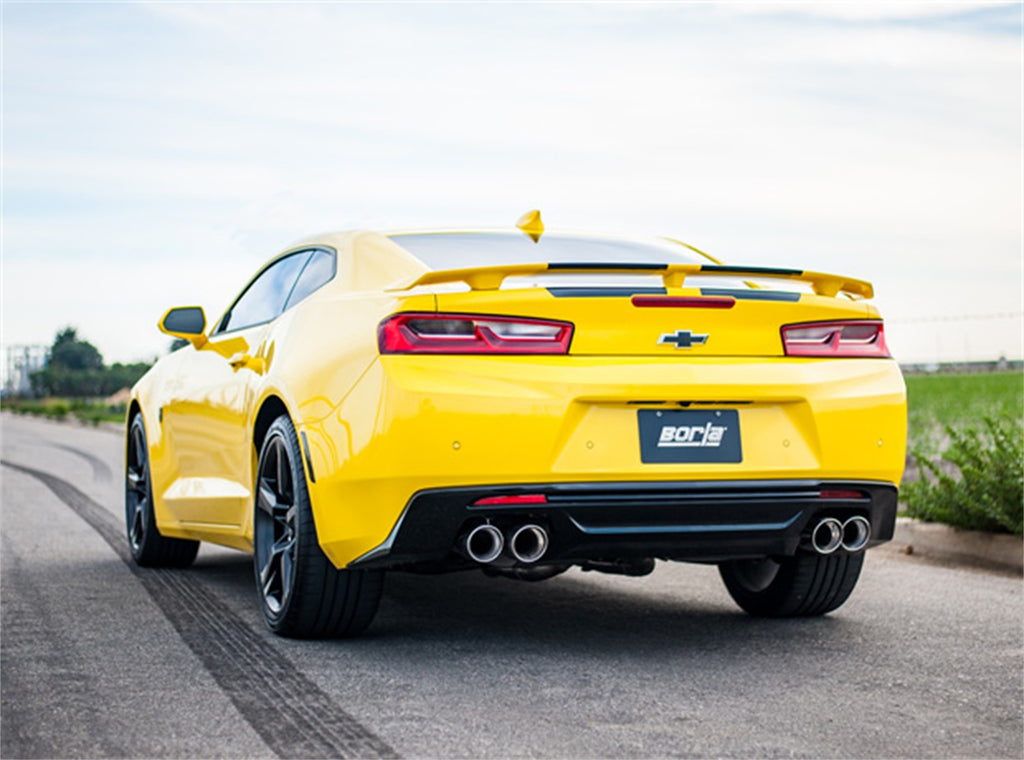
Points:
(673, 275)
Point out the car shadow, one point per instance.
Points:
(574, 612)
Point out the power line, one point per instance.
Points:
(956, 318)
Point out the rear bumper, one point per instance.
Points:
(413, 425)
(682, 520)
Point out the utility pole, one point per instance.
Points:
(20, 362)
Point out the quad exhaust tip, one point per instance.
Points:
(528, 543)
(484, 543)
(827, 536)
(856, 533)
(830, 534)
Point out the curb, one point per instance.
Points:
(969, 547)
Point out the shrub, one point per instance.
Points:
(56, 410)
(92, 412)
(978, 481)
(97, 413)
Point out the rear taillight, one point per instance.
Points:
(847, 338)
(837, 493)
(511, 501)
(428, 333)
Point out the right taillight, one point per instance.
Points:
(849, 338)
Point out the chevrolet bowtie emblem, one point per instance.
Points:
(683, 338)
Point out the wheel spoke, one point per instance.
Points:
(140, 449)
(283, 545)
(137, 482)
(267, 577)
(138, 525)
(266, 499)
(282, 471)
(287, 562)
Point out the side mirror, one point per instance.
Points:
(188, 322)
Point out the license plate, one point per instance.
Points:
(670, 436)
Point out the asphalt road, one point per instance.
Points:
(98, 659)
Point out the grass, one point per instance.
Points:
(963, 401)
(92, 412)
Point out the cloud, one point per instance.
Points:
(878, 141)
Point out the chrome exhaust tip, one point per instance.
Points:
(827, 536)
(484, 543)
(528, 543)
(856, 533)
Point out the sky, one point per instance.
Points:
(156, 154)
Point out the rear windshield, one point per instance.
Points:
(460, 250)
(455, 250)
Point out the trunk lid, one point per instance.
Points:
(631, 311)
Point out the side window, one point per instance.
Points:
(318, 272)
(264, 298)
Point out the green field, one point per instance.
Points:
(61, 408)
(934, 401)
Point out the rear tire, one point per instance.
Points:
(805, 585)
(148, 547)
(302, 595)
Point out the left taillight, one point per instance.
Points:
(849, 338)
(430, 333)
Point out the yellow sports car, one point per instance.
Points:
(519, 402)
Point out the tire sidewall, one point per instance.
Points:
(805, 585)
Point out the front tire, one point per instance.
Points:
(805, 585)
(148, 547)
(302, 595)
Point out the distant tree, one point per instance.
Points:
(118, 376)
(57, 380)
(71, 353)
(75, 369)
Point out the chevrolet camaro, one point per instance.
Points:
(521, 403)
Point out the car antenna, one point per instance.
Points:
(531, 224)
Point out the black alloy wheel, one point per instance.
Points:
(301, 593)
(136, 488)
(275, 525)
(148, 547)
